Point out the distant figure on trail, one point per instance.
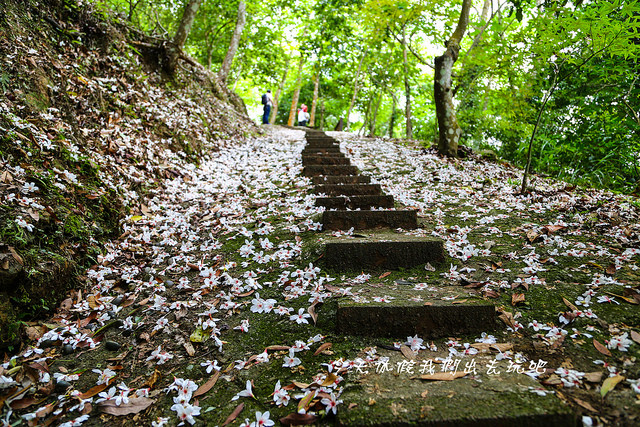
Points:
(303, 116)
(267, 102)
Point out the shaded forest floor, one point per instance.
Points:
(213, 304)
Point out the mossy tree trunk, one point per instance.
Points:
(356, 87)
(296, 93)
(235, 41)
(276, 99)
(314, 104)
(184, 28)
(449, 130)
(407, 86)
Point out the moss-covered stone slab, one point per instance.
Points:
(364, 220)
(348, 189)
(319, 138)
(317, 170)
(341, 179)
(359, 255)
(321, 152)
(356, 202)
(325, 160)
(404, 310)
(321, 144)
(398, 398)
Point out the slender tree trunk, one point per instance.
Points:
(407, 86)
(392, 120)
(356, 87)
(449, 129)
(235, 41)
(321, 125)
(296, 94)
(366, 116)
(276, 100)
(184, 28)
(372, 130)
(316, 90)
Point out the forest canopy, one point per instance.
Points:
(554, 78)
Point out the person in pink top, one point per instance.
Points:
(303, 116)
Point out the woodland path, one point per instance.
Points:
(224, 299)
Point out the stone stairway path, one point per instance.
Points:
(386, 398)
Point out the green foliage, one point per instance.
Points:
(505, 67)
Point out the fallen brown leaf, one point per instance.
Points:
(312, 311)
(407, 352)
(189, 347)
(323, 347)
(442, 376)
(635, 336)
(135, 405)
(569, 304)
(234, 414)
(93, 391)
(208, 385)
(611, 269)
(383, 275)
(152, 379)
(601, 348)
(296, 419)
(517, 299)
(593, 377)
(585, 405)
(276, 347)
(550, 229)
(330, 380)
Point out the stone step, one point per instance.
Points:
(311, 138)
(364, 220)
(316, 145)
(407, 310)
(355, 202)
(348, 189)
(373, 397)
(321, 151)
(341, 179)
(318, 170)
(325, 160)
(381, 250)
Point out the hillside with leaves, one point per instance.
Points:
(89, 125)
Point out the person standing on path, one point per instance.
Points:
(303, 116)
(267, 101)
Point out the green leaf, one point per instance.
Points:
(609, 384)
(200, 335)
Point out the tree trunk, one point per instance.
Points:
(372, 130)
(392, 120)
(296, 94)
(407, 87)
(449, 130)
(184, 28)
(316, 90)
(235, 41)
(366, 116)
(276, 100)
(321, 125)
(356, 87)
